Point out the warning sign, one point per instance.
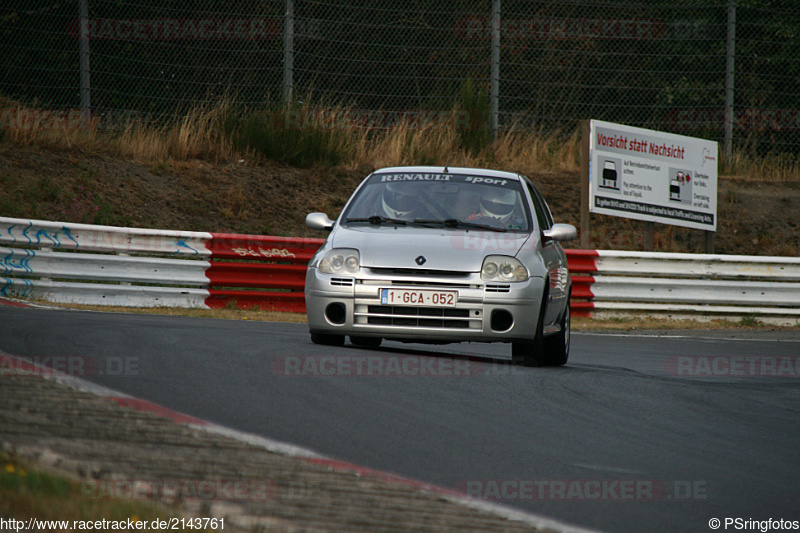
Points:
(653, 176)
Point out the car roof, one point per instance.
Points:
(452, 170)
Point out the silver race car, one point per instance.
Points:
(440, 255)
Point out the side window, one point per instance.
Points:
(546, 209)
(543, 215)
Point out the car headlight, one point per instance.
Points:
(503, 268)
(340, 261)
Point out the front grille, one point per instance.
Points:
(424, 272)
(342, 282)
(423, 317)
(417, 283)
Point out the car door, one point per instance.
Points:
(553, 256)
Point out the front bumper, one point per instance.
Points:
(484, 312)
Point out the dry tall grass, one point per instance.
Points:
(194, 135)
(771, 168)
(404, 145)
(524, 151)
(205, 133)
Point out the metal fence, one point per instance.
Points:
(683, 66)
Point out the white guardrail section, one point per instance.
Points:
(698, 284)
(102, 265)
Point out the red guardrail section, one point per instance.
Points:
(581, 264)
(269, 272)
(251, 271)
(264, 248)
(582, 261)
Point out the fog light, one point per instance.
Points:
(501, 320)
(335, 313)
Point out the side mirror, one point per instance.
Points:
(319, 221)
(561, 232)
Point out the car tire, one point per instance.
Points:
(327, 339)
(365, 342)
(556, 347)
(530, 353)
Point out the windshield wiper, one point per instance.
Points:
(455, 223)
(377, 220)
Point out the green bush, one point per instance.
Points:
(300, 136)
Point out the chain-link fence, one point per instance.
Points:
(681, 67)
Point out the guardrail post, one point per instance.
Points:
(649, 230)
(709, 238)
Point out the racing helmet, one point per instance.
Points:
(399, 199)
(498, 203)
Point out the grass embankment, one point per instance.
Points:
(27, 491)
(230, 169)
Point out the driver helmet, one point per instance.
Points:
(498, 203)
(399, 199)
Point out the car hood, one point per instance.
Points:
(443, 249)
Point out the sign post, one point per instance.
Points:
(585, 179)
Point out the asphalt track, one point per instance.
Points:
(636, 433)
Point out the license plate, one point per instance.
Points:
(423, 297)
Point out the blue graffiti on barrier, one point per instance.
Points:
(7, 287)
(182, 244)
(15, 261)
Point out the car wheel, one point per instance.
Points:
(530, 353)
(556, 347)
(328, 340)
(365, 342)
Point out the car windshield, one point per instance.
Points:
(440, 200)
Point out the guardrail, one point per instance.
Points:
(255, 270)
(143, 269)
(676, 284)
(105, 265)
